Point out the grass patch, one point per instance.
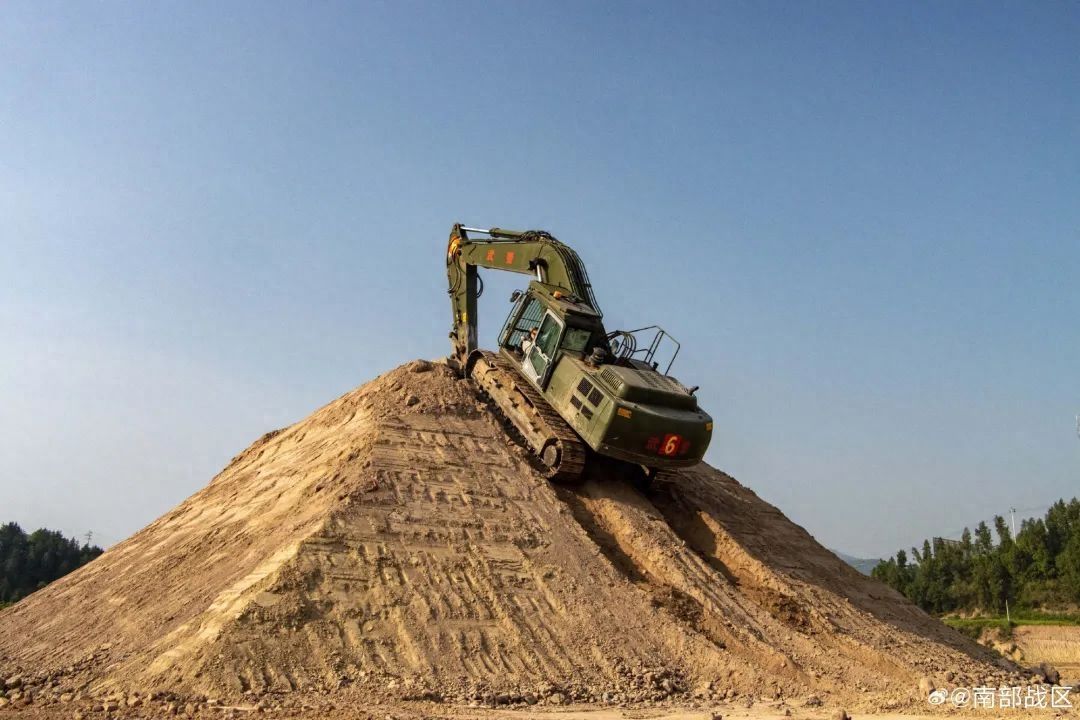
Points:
(1036, 617)
(973, 627)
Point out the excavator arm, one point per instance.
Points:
(531, 252)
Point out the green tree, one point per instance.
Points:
(1068, 566)
(1039, 567)
(30, 562)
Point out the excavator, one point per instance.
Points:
(575, 392)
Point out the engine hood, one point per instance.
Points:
(646, 387)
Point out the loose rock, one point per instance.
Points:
(1049, 674)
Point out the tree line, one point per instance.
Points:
(32, 561)
(1038, 569)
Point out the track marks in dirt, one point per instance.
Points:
(432, 561)
(607, 541)
(632, 532)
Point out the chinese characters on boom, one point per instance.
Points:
(1016, 698)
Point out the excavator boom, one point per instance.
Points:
(531, 252)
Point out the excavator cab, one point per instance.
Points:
(562, 325)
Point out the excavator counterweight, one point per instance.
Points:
(570, 388)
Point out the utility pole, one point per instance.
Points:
(1012, 513)
(89, 537)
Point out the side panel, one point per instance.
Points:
(587, 419)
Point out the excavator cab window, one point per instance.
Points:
(524, 317)
(543, 352)
(576, 339)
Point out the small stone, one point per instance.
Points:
(419, 366)
(926, 686)
(841, 715)
(66, 697)
(15, 681)
(813, 701)
(3, 701)
(111, 706)
(411, 400)
(556, 699)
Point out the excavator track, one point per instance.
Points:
(555, 443)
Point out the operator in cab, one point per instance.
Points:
(527, 341)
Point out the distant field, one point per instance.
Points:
(1018, 618)
(973, 627)
(1059, 646)
(1038, 636)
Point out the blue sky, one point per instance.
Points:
(860, 219)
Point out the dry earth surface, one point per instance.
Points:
(396, 555)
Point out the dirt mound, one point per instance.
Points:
(396, 542)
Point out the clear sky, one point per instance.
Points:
(862, 220)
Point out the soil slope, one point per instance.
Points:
(397, 542)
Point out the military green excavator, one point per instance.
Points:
(569, 387)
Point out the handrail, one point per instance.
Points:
(628, 348)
